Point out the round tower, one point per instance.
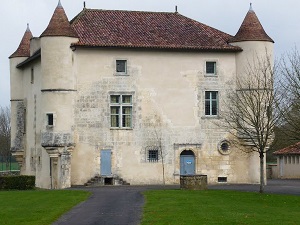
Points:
(58, 94)
(257, 49)
(17, 96)
(254, 41)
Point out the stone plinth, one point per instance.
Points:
(193, 182)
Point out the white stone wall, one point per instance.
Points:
(167, 85)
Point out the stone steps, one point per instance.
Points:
(105, 180)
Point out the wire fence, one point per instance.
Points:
(8, 165)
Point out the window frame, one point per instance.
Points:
(120, 114)
(125, 72)
(152, 149)
(214, 74)
(48, 119)
(211, 101)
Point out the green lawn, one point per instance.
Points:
(37, 207)
(182, 207)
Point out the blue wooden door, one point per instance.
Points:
(105, 163)
(187, 165)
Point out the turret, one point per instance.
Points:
(18, 109)
(254, 41)
(58, 95)
(257, 49)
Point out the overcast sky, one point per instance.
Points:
(280, 20)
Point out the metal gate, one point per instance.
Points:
(187, 164)
(105, 162)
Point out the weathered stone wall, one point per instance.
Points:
(168, 87)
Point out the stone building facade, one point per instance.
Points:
(131, 95)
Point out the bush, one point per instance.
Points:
(17, 182)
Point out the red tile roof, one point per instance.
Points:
(24, 48)
(59, 24)
(291, 150)
(251, 30)
(114, 28)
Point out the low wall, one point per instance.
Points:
(193, 182)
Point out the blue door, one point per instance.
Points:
(187, 165)
(105, 163)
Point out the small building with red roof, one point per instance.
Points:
(288, 162)
(115, 95)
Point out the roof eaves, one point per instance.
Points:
(179, 48)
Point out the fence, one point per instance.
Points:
(8, 165)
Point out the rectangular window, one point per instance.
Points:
(121, 111)
(121, 66)
(211, 68)
(211, 103)
(152, 154)
(50, 119)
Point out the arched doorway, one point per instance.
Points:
(187, 162)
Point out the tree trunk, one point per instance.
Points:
(262, 174)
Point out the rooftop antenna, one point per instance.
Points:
(84, 4)
(176, 9)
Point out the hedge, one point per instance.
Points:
(17, 182)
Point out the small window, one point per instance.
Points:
(222, 179)
(211, 103)
(50, 121)
(224, 147)
(297, 159)
(152, 154)
(32, 76)
(121, 111)
(211, 68)
(121, 66)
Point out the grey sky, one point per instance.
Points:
(279, 18)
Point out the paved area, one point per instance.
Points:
(122, 205)
(109, 205)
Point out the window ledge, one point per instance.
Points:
(121, 128)
(210, 75)
(121, 74)
(211, 117)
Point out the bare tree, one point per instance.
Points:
(289, 88)
(5, 135)
(156, 140)
(250, 114)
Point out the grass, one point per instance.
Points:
(180, 207)
(37, 207)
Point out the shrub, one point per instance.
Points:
(17, 182)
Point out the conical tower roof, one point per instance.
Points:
(24, 47)
(59, 24)
(251, 29)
